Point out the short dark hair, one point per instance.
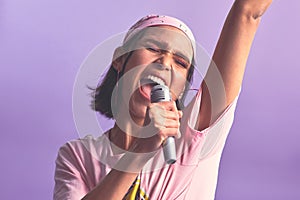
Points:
(102, 95)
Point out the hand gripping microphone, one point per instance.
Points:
(161, 93)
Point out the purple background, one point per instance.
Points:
(43, 43)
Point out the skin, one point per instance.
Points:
(230, 58)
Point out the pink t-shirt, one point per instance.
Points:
(81, 164)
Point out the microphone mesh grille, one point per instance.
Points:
(160, 93)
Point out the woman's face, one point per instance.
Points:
(163, 55)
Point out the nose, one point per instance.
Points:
(165, 61)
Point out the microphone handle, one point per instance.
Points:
(169, 149)
(161, 93)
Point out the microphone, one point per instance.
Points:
(161, 93)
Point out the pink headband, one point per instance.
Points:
(156, 20)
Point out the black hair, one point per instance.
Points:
(102, 95)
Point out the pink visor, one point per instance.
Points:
(156, 20)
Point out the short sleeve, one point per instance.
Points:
(216, 134)
(69, 184)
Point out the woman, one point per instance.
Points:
(126, 162)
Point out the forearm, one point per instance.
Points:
(233, 47)
(114, 186)
(118, 181)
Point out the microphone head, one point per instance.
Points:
(160, 93)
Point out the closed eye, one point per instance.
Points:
(153, 49)
(152, 46)
(182, 62)
(158, 48)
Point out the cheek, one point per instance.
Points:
(178, 83)
(129, 82)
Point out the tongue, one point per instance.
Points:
(146, 89)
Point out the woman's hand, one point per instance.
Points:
(162, 121)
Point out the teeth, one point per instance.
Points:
(156, 80)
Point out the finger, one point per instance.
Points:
(180, 114)
(158, 111)
(167, 123)
(169, 132)
(168, 105)
(171, 106)
(171, 115)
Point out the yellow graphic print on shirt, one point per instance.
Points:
(135, 192)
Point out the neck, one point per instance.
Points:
(124, 133)
(122, 139)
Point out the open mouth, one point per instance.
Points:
(147, 83)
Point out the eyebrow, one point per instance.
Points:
(164, 45)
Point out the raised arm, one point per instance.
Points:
(224, 77)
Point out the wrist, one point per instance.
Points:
(251, 9)
(133, 162)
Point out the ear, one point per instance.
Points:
(118, 58)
